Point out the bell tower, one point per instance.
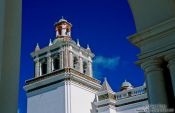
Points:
(63, 80)
(63, 29)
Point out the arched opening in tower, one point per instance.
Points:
(44, 68)
(85, 68)
(75, 63)
(56, 64)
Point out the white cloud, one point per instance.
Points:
(102, 63)
(107, 62)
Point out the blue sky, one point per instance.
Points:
(104, 25)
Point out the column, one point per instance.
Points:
(71, 59)
(171, 65)
(90, 68)
(81, 64)
(90, 71)
(63, 32)
(49, 63)
(40, 68)
(52, 66)
(37, 67)
(10, 46)
(155, 82)
(61, 59)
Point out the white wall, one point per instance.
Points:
(130, 108)
(133, 108)
(47, 100)
(113, 111)
(107, 109)
(63, 97)
(81, 99)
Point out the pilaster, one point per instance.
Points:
(37, 67)
(49, 63)
(81, 62)
(61, 59)
(65, 56)
(90, 68)
(71, 59)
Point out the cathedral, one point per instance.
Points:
(64, 83)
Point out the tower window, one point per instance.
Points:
(43, 67)
(56, 62)
(84, 67)
(75, 63)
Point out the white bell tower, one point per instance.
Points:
(63, 81)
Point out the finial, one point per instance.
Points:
(50, 43)
(37, 48)
(78, 43)
(62, 19)
(144, 84)
(105, 79)
(88, 48)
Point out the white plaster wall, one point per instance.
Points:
(107, 110)
(133, 108)
(81, 100)
(47, 100)
(124, 109)
(112, 111)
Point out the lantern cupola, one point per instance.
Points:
(63, 29)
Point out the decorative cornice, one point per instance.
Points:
(154, 32)
(152, 65)
(66, 74)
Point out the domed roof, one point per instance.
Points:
(62, 20)
(126, 85)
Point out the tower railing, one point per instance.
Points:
(131, 93)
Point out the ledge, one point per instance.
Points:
(158, 30)
(60, 76)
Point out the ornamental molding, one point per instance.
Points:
(154, 32)
(156, 54)
(66, 75)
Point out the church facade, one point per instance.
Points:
(64, 83)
